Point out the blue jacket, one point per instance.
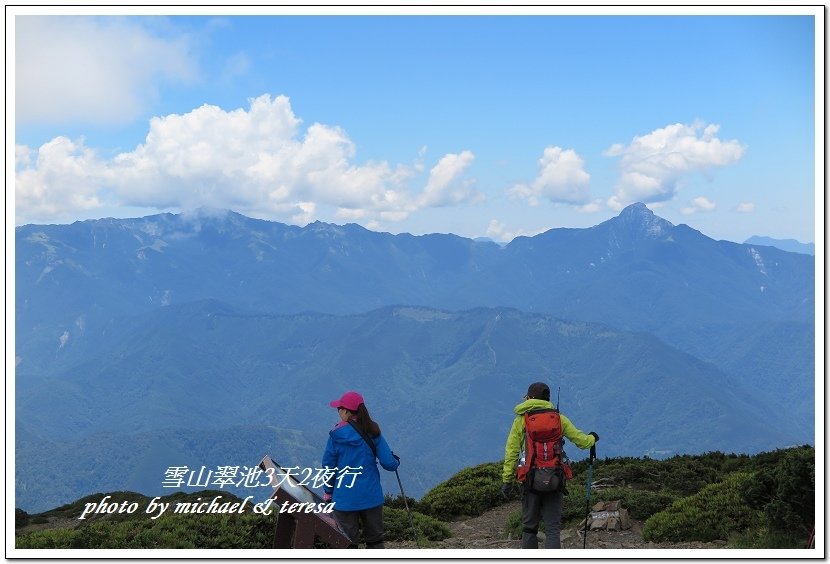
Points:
(355, 484)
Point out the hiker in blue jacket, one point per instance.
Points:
(353, 447)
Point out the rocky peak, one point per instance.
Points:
(641, 221)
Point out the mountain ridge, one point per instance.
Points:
(789, 245)
(154, 246)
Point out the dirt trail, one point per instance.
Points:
(487, 531)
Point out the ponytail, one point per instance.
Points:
(364, 421)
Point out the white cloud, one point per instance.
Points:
(591, 207)
(101, 70)
(256, 160)
(305, 214)
(704, 204)
(350, 215)
(746, 207)
(62, 175)
(444, 188)
(699, 204)
(498, 231)
(652, 165)
(561, 179)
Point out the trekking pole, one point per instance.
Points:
(406, 504)
(588, 495)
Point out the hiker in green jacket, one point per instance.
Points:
(539, 505)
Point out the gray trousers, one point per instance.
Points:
(541, 507)
(372, 521)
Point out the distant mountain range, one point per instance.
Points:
(195, 339)
(635, 271)
(789, 245)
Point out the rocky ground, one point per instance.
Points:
(487, 531)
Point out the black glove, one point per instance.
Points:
(596, 437)
(507, 490)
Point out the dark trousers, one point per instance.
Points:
(541, 507)
(371, 520)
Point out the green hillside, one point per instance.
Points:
(202, 384)
(761, 501)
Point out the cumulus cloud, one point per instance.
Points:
(699, 204)
(591, 207)
(561, 179)
(746, 207)
(651, 166)
(108, 77)
(257, 160)
(498, 231)
(443, 187)
(62, 175)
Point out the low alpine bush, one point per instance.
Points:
(398, 526)
(715, 512)
(785, 492)
(168, 531)
(471, 492)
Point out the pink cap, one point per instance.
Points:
(349, 400)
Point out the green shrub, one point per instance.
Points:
(784, 490)
(640, 504)
(398, 526)
(573, 505)
(21, 518)
(715, 512)
(168, 531)
(52, 538)
(643, 473)
(39, 520)
(398, 502)
(762, 537)
(471, 492)
(771, 459)
(679, 476)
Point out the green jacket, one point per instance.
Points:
(516, 437)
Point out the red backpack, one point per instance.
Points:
(543, 470)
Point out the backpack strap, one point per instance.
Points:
(366, 438)
(536, 410)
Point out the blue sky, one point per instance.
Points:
(481, 125)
